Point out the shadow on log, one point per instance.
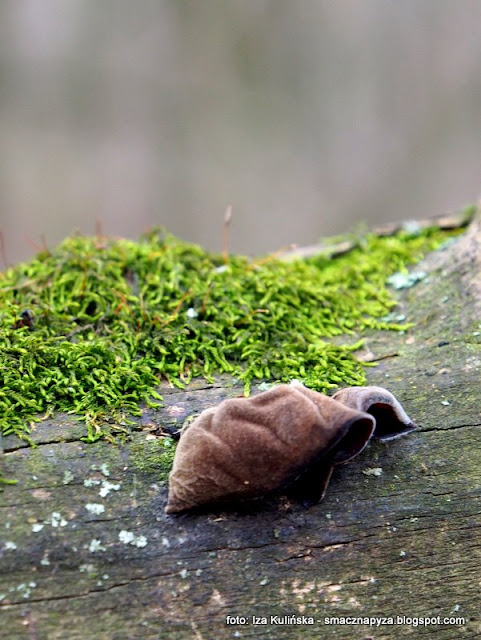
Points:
(86, 550)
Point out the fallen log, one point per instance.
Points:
(86, 550)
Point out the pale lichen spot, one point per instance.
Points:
(26, 589)
(45, 561)
(265, 386)
(107, 487)
(86, 568)
(128, 537)
(10, 545)
(67, 477)
(90, 482)
(402, 280)
(372, 471)
(140, 541)
(56, 520)
(95, 508)
(96, 545)
(104, 470)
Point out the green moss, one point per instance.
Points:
(153, 456)
(7, 481)
(113, 318)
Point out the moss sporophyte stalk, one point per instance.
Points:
(93, 326)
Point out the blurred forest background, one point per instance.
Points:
(309, 116)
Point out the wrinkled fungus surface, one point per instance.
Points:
(248, 447)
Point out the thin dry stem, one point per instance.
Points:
(225, 243)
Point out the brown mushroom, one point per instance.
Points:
(248, 447)
(391, 419)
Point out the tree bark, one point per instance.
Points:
(405, 543)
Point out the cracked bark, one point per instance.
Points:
(406, 543)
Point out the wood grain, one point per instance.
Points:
(406, 542)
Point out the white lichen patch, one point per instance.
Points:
(373, 471)
(104, 470)
(265, 386)
(67, 477)
(140, 541)
(10, 545)
(107, 487)
(128, 537)
(45, 561)
(96, 545)
(402, 280)
(95, 508)
(26, 589)
(56, 520)
(86, 568)
(91, 482)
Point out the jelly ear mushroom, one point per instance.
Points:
(248, 447)
(391, 419)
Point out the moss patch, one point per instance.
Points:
(153, 456)
(93, 326)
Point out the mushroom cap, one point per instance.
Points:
(247, 447)
(391, 419)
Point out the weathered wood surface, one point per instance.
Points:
(405, 543)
